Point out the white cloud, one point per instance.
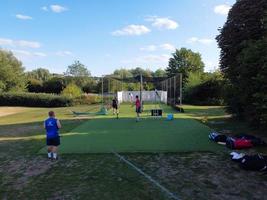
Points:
(64, 53)
(40, 54)
(222, 9)
(6, 42)
(163, 22)
(166, 47)
(23, 17)
(29, 44)
(44, 8)
(58, 8)
(22, 54)
(19, 43)
(205, 41)
(149, 48)
(131, 30)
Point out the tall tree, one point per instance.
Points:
(159, 73)
(11, 73)
(79, 74)
(145, 72)
(243, 60)
(185, 61)
(77, 69)
(40, 74)
(124, 73)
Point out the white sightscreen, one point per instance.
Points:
(148, 96)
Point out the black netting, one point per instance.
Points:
(113, 84)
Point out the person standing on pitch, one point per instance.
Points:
(137, 108)
(52, 125)
(115, 106)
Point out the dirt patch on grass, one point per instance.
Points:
(4, 111)
(21, 130)
(24, 169)
(203, 176)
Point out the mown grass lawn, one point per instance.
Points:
(24, 174)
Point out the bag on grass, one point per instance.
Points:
(169, 117)
(255, 163)
(236, 143)
(255, 140)
(237, 157)
(213, 135)
(230, 142)
(221, 138)
(242, 144)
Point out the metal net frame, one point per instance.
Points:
(111, 85)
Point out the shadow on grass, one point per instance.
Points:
(205, 111)
(35, 128)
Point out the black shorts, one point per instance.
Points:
(138, 110)
(53, 141)
(115, 106)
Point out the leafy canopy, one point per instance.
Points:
(11, 73)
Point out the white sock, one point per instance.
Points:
(49, 154)
(55, 155)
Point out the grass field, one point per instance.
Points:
(191, 174)
(106, 134)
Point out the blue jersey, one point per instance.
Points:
(51, 128)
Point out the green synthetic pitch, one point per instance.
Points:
(107, 134)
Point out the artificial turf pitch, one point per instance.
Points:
(125, 135)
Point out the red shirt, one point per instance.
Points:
(137, 103)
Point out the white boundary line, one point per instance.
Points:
(170, 194)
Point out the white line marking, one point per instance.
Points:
(170, 194)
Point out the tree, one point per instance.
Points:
(123, 73)
(54, 85)
(204, 89)
(159, 73)
(39, 74)
(72, 90)
(243, 61)
(145, 72)
(78, 73)
(35, 85)
(11, 73)
(78, 69)
(185, 61)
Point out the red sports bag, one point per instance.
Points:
(242, 144)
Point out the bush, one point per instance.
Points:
(88, 99)
(72, 90)
(54, 85)
(204, 89)
(34, 100)
(208, 93)
(35, 85)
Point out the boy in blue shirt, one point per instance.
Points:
(52, 135)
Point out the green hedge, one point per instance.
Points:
(91, 99)
(211, 92)
(34, 100)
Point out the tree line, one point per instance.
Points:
(243, 63)
(77, 78)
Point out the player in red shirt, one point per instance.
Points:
(137, 108)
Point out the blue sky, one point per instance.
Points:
(110, 34)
